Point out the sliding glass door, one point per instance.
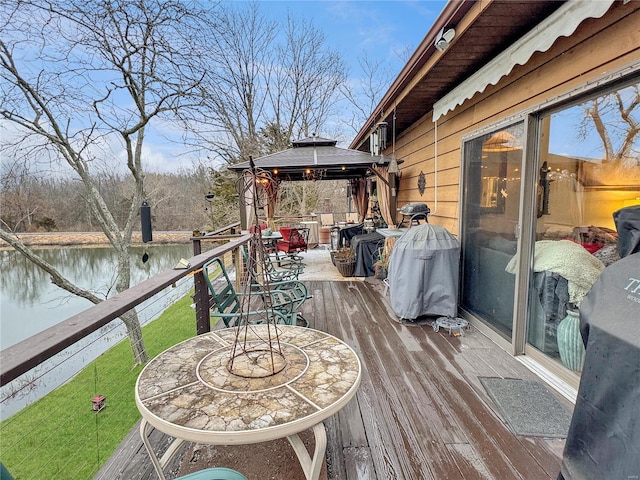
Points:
(490, 222)
(584, 178)
(588, 173)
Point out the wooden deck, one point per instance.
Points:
(421, 411)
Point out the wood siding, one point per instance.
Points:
(598, 47)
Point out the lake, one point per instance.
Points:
(30, 303)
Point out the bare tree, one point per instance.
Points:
(366, 88)
(82, 83)
(364, 93)
(264, 78)
(240, 61)
(305, 88)
(18, 206)
(615, 118)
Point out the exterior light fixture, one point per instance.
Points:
(422, 183)
(444, 39)
(343, 167)
(275, 171)
(314, 174)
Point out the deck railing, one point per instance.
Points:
(24, 366)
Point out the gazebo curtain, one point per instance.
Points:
(383, 195)
(362, 199)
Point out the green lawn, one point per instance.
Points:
(60, 436)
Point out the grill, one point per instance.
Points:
(413, 212)
(413, 208)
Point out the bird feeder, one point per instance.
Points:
(99, 402)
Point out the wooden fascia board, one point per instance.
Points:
(399, 89)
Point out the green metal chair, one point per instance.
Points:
(278, 269)
(284, 298)
(217, 473)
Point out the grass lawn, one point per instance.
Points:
(60, 436)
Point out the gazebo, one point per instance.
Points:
(316, 158)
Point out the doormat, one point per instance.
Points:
(528, 407)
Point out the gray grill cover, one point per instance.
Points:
(423, 273)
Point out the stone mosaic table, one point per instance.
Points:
(188, 392)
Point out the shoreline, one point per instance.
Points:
(65, 239)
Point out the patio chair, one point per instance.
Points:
(352, 217)
(4, 473)
(286, 298)
(292, 241)
(159, 464)
(327, 219)
(278, 269)
(216, 473)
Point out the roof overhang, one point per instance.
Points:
(483, 30)
(316, 155)
(561, 23)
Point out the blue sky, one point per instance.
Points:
(385, 31)
(382, 29)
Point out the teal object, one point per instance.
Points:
(570, 341)
(218, 473)
(4, 473)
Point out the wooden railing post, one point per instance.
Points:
(197, 246)
(201, 299)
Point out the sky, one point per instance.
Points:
(389, 31)
(386, 31)
(380, 29)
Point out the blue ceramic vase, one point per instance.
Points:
(570, 342)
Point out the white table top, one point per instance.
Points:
(188, 392)
(391, 232)
(273, 236)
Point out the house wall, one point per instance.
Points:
(598, 47)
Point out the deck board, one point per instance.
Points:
(421, 412)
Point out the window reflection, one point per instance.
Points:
(490, 215)
(589, 167)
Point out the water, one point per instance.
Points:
(30, 303)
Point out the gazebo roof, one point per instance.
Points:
(316, 154)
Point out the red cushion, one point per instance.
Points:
(591, 247)
(296, 240)
(286, 232)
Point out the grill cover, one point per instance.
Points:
(423, 273)
(604, 435)
(628, 225)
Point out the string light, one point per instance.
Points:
(313, 174)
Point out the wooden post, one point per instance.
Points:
(201, 295)
(393, 197)
(197, 246)
(201, 298)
